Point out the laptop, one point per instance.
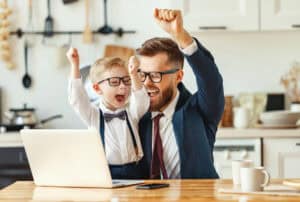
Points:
(68, 158)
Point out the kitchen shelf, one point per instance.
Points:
(19, 32)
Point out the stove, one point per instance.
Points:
(14, 128)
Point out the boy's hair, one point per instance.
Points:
(158, 45)
(102, 65)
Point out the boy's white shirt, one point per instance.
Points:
(119, 147)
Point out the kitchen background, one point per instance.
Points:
(256, 42)
(249, 58)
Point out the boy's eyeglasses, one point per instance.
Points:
(155, 77)
(116, 81)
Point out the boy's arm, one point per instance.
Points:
(77, 95)
(81, 104)
(133, 66)
(139, 101)
(73, 58)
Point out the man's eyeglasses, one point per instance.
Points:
(155, 77)
(116, 81)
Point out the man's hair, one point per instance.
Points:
(157, 45)
(102, 65)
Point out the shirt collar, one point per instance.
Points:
(169, 111)
(106, 110)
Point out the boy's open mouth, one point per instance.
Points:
(120, 98)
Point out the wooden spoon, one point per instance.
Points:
(87, 34)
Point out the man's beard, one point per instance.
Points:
(164, 99)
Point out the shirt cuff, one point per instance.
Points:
(191, 49)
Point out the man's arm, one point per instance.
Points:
(210, 93)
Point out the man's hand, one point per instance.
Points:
(171, 21)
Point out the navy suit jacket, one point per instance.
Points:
(195, 120)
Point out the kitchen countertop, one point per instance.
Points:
(258, 133)
(179, 190)
(13, 139)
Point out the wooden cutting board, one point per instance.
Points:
(118, 51)
(272, 190)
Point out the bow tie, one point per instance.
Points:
(108, 116)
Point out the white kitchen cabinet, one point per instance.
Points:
(221, 15)
(227, 150)
(282, 157)
(280, 14)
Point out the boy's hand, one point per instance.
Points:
(171, 21)
(73, 57)
(133, 65)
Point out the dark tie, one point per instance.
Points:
(108, 117)
(157, 163)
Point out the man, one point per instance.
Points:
(178, 133)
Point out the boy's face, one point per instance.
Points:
(114, 96)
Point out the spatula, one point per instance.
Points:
(49, 22)
(87, 33)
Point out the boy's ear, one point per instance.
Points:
(97, 88)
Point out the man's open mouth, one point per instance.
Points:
(152, 92)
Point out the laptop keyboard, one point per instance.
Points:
(116, 181)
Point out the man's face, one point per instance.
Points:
(162, 93)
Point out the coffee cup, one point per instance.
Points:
(236, 166)
(241, 117)
(254, 179)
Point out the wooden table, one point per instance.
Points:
(179, 190)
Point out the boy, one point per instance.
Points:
(116, 117)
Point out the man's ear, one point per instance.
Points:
(97, 88)
(179, 76)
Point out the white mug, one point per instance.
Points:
(241, 117)
(254, 179)
(236, 166)
(295, 107)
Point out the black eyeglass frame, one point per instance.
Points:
(119, 81)
(146, 74)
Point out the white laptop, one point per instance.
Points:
(68, 158)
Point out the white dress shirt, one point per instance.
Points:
(170, 147)
(119, 147)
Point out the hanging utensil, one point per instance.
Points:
(49, 22)
(69, 1)
(29, 25)
(26, 78)
(105, 29)
(87, 33)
